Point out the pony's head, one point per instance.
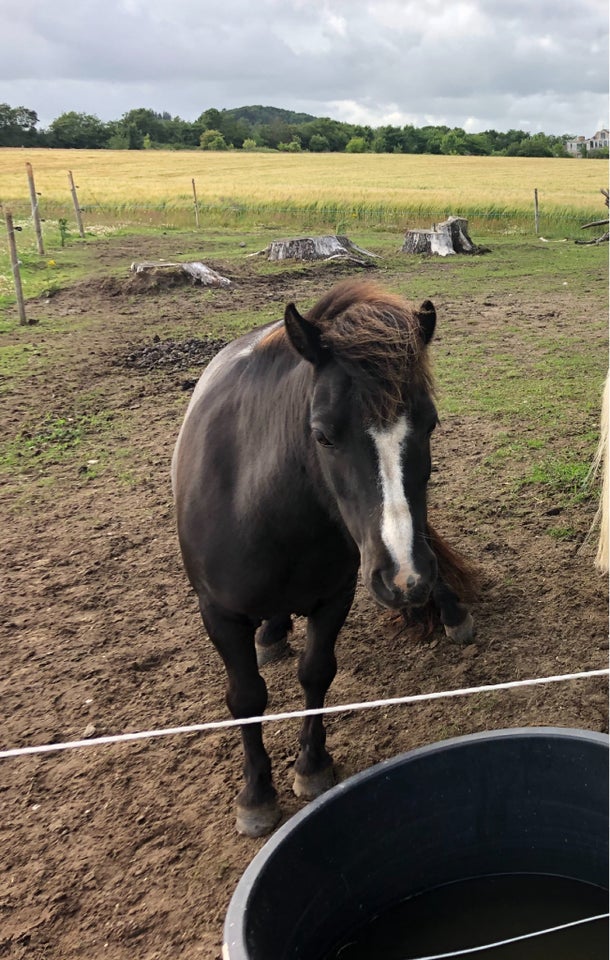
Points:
(371, 417)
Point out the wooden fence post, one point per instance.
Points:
(196, 204)
(77, 210)
(536, 211)
(35, 213)
(12, 246)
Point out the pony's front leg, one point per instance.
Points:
(314, 771)
(246, 696)
(455, 617)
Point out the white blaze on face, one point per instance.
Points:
(396, 520)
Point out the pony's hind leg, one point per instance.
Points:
(246, 696)
(272, 640)
(314, 772)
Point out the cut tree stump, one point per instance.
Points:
(196, 270)
(330, 247)
(446, 238)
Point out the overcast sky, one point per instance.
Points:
(477, 64)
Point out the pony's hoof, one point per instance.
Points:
(463, 632)
(310, 787)
(257, 821)
(273, 652)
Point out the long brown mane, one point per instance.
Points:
(375, 336)
(459, 573)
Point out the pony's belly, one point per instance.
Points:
(263, 591)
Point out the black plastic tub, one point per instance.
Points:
(523, 801)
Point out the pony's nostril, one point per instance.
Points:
(379, 579)
(383, 583)
(412, 581)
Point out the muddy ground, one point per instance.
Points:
(129, 851)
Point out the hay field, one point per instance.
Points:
(240, 185)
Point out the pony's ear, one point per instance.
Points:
(304, 336)
(427, 320)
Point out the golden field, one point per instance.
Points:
(365, 186)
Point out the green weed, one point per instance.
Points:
(563, 533)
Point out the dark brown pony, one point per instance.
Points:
(303, 458)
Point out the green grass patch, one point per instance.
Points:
(566, 477)
(54, 441)
(479, 378)
(512, 449)
(564, 533)
(16, 359)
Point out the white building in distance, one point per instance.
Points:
(579, 145)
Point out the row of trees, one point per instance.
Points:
(256, 128)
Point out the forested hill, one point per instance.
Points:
(258, 127)
(264, 115)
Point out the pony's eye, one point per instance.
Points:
(321, 438)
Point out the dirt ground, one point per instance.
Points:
(129, 851)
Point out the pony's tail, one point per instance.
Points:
(600, 464)
(459, 574)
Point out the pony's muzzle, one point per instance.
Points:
(414, 592)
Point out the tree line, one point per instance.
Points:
(263, 128)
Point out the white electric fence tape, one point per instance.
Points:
(274, 717)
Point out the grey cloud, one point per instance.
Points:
(488, 58)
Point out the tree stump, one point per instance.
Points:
(198, 271)
(330, 247)
(446, 238)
